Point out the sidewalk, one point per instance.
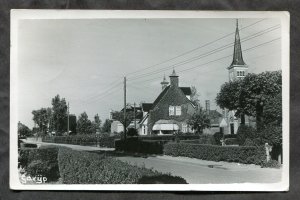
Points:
(75, 147)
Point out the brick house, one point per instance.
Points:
(170, 111)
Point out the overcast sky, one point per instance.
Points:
(85, 61)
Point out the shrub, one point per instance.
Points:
(249, 142)
(161, 179)
(244, 132)
(247, 155)
(28, 145)
(40, 162)
(132, 132)
(231, 141)
(102, 140)
(207, 139)
(168, 137)
(136, 145)
(79, 167)
(271, 135)
(271, 164)
(218, 136)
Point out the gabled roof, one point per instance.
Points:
(146, 106)
(186, 90)
(160, 96)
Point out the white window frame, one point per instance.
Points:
(171, 110)
(178, 110)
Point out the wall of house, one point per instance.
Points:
(116, 127)
(173, 97)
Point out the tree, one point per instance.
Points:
(195, 96)
(42, 118)
(84, 125)
(97, 123)
(199, 121)
(120, 117)
(252, 95)
(59, 117)
(106, 126)
(23, 130)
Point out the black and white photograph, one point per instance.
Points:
(149, 100)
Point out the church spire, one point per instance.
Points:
(237, 52)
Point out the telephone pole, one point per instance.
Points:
(68, 128)
(134, 115)
(124, 108)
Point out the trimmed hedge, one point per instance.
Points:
(40, 162)
(247, 155)
(169, 137)
(231, 141)
(162, 179)
(85, 140)
(79, 167)
(136, 145)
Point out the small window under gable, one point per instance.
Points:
(171, 110)
(178, 110)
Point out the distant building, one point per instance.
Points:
(238, 69)
(170, 111)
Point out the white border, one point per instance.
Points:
(17, 15)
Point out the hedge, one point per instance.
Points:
(40, 162)
(247, 155)
(169, 137)
(79, 167)
(137, 145)
(90, 140)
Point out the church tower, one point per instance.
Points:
(238, 68)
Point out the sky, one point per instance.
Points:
(85, 60)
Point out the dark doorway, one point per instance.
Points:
(232, 129)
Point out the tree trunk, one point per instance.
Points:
(259, 117)
(242, 119)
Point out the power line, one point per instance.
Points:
(187, 52)
(207, 53)
(251, 48)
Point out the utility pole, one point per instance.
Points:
(68, 128)
(124, 108)
(134, 115)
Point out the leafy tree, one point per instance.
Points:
(23, 130)
(195, 96)
(199, 121)
(42, 118)
(84, 125)
(106, 128)
(252, 95)
(97, 123)
(120, 117)
(59, 117)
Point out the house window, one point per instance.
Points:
(240, 73)
(178, 110)
(184, 128)
(171, 110)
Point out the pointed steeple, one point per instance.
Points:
(237, 52)
(164, 83)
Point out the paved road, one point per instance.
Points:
(76, 147)
(197, 171)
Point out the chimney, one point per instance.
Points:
(207, 106)
(174, 79)
(164, 83)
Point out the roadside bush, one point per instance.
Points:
(231, 141)
(136, 145)
(168, 137)
(218, 136)
(244, 132)
(240, 154)
(191, 141)
(271, 164)
(207, 139)
(230, 136)
(102, 140)
(28, 145)
(162, 179)
(132, 132)
(40, 162)
(271, 135)
(249, 142)
(79, 167)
